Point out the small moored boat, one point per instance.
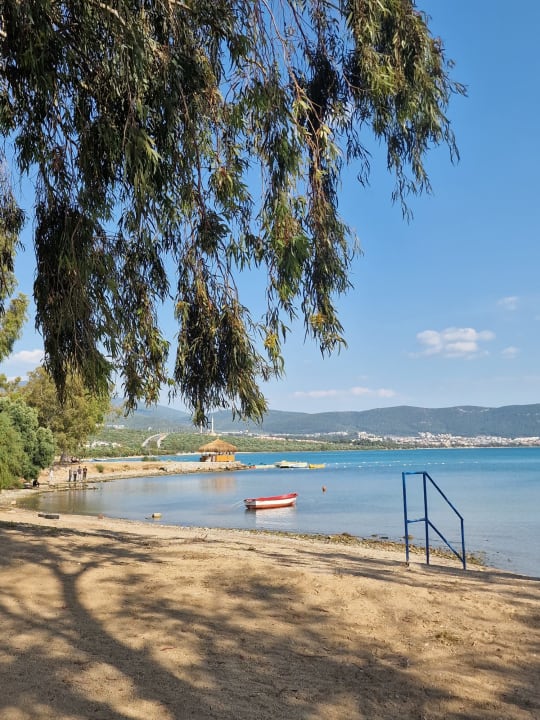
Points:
(274, 501)
(291, 464)
(316, 466)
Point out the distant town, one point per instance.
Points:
(426, 439)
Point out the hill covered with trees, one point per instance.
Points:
(511, 421)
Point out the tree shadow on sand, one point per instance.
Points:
(138, 627)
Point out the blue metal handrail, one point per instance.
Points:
(426, 520)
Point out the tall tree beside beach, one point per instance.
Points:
(31, 444)
(71, 421)
(174, 145)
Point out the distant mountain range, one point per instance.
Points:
(510, 421)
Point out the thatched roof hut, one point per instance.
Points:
(218, 446)
(217, 451)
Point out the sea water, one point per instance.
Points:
(496, 490)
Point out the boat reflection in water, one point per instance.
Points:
(279, 520)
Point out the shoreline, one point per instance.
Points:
(128, 468)
(123, 468)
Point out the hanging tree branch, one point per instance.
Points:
(143, 124)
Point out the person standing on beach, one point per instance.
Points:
(84, 473)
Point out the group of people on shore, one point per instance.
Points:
(77, 474)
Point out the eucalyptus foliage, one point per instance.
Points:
(175, 144)
(12, 315)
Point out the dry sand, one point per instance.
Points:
(119, 620)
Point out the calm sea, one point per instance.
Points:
(496, 490)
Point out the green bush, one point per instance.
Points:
(11, 454)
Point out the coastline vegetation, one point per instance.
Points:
(110, 442)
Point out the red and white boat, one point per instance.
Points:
(274, 501)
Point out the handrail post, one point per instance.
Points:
(463, 545)
(406, 518)
(426, 520)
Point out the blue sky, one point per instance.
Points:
(445, 309)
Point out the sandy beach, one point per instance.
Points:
(118, 620)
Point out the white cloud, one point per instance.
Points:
(354, 391)
(509, 303)
(454, 342)
(28, 357)
(386, 392)
(379, 392)
(23, 361)
(358, 391)
(316, 393)
(510, 352)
